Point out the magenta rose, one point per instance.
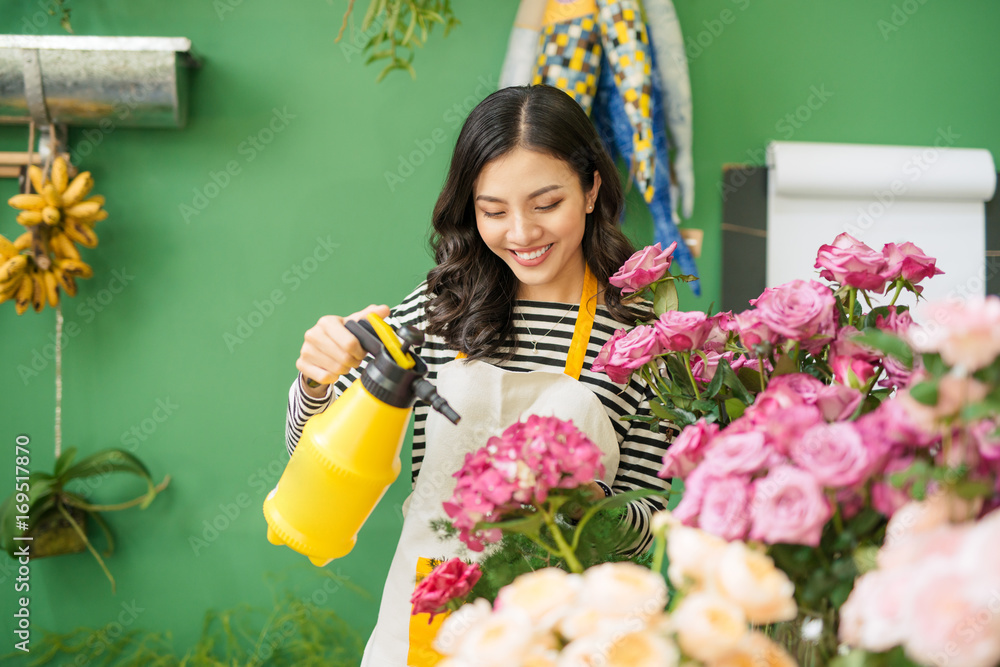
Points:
(643, 268)
(801, 310)
(725, 508)
(835, 454)
(688, 449)
(909, 262)
(851, 371)
(682, 331)
(789, 507)
(852, 263)
(446, 582)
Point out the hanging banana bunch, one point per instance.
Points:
(45, 259)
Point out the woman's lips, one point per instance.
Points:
(535, 260)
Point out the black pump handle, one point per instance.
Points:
(365, 333)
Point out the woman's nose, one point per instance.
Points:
(523, 231)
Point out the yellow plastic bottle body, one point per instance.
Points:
(347, 458)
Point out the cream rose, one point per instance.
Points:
(693, 555)
(708, 625)
(755, 650)
(545, 596)
(750, 579)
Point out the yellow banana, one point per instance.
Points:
(37, 291)
(67, 282)
(89, 219)
(24, 294)
(78, 189)
(13, 267)
(62, 246)
(29, 218)
(51, 195)
(51, 288)
(83, 209)
(76, 268)
(60, 175)
(96, 198)
(7, 249)
(22, 242)
(27, 202)
(36, 176)
(79, 232)
(51, 215)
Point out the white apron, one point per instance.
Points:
(489, 399)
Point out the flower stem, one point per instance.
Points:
(763, 380)
(899, 288)
(651, 376)
(564, 550)
(687, 365)
(850, 306)
(659, 551)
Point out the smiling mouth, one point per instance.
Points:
(534, 254)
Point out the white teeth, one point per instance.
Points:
(533, 255)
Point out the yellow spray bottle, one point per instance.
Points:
(348, 455)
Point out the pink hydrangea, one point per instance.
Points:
(521, 466)
(448, 581)
(643, 268)
(800, 310)
(850, 262)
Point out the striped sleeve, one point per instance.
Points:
(301, 406)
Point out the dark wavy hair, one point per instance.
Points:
(472, 291)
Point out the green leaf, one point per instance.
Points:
(665, 297)
(731, 380)
(886, 343)
(108, 461)
(716, 384)
(785, 365)
(925, 392)
(64, 461)
(735, 408)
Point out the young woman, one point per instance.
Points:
(525, 237)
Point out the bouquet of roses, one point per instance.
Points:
(616, 614)
(810, 422)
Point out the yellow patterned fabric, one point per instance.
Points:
(569, 55)
(559, 12)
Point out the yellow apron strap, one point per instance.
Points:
(423, 631)
(581, 333)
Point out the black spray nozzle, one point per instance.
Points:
(426, 392)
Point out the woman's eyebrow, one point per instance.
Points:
(536, 193)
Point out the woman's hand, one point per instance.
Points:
(330, 350)
(596, 493)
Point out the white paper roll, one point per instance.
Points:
(802, 169)
(933, 197)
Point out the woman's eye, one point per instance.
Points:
(550, 206)
(490, 214)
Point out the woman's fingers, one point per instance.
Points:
(330, 349)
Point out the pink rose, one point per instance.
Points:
(643, 268)
(897, 322)
(852, 263)
(722, 325)
(892, 425)
(754, 331)
(688, 449)
(801, 310)
(785, 427)
(966, 333)
(886, 498)
(446, 582)
(838, 402)
(636, 348)
(725, 508)
(845, 346)
(986, 434)
(789, 507)
(851, 371)
(909, 262)
(682, 331)
(602, 363)
(704, 369)
(834, 453)
(738, 453)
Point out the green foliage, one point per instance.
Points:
(403, 25)
(48, 498)
(858, 658)
(294, 632)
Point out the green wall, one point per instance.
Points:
(260, 245)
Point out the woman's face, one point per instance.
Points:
(531, 212)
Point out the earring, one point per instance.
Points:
(590, 208)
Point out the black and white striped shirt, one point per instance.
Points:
(641, 449)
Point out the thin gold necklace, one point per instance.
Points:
(531, 336)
